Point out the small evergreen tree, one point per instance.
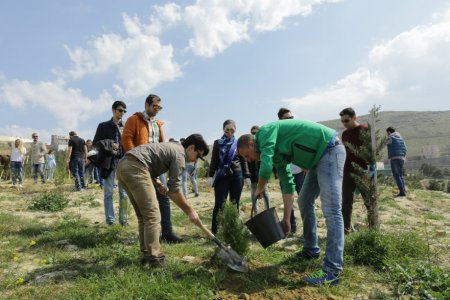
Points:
(232, 230)
(366, 180)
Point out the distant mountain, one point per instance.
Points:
(419, 129)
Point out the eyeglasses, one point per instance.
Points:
(286, 118)
(229, 130)
(157, 107)
(121, 110)
(345, 121)
(199, 155)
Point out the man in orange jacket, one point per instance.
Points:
(143, 128)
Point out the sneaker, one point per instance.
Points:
(196, 195)
(304, 255)
(124, 223)
(20, 185)
(172, 239)
(321, 277)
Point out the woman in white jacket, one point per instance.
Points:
(18, 153)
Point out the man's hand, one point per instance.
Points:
(193, 217)
(210, 181)
(115, 146)
(161, 188)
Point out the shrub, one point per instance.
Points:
(232, 230)
(448, 186)
(434, 185)
(368, 248)
(49, 201)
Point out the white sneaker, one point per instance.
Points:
(20, 185)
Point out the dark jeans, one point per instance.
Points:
(76, 165)
(164, 209)
(93, 173)
(231, 184)
(397, 172)
(348, 191)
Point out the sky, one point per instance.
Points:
(63, 63)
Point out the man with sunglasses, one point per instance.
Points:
(107, 141)
(138, 172)
(38, 153)
(350, 137)
(143, 128)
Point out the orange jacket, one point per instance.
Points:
(135, 132)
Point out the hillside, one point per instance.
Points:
(419, 129)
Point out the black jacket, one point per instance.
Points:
(238, 165)
(105, 137)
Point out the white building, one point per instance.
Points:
(59, 142)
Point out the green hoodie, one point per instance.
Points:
(290, 141)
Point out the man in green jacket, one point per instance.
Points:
(316, 148)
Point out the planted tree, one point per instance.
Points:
(232, 230)
(370, 152)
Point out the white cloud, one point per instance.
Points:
(139, 61)
(218, 24)
(68, 105)
(24, 133)
(410, 70)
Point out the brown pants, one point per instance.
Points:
(135, 178)
(348, 190)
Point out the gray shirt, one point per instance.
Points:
(161, 158)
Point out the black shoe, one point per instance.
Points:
(400, 195)
(196, 195)
(124, 223)
(293, 229)
(306, 256)
(172, 239)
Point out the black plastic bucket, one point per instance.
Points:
(266, 227)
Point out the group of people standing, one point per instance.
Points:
(40, 159)
(308, 159)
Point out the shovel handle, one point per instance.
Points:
(202, 227)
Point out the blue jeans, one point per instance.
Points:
(16, 170)
(325, 180)
(38, 168)
(108, 191)
(397, 172)
(164, 209)
(189, 173)
(231, 184)
(93, 173)
(76, 165)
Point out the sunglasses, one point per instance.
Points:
(35, 136)
(157, 107)
(291, 117)
(122, 110)
(345, 121)
(254, 132)
(229, 130)
(199, 155)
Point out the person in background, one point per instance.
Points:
(350, 137)
(143, 128)
(77, 153)
(226, 171)
(190, 172)
(38, 153)
(18, 154)
(397, 154)
(253, 167)
(107, 141)
(297, 172)
(51, 164)
(91, 167)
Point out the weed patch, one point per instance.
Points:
(49, 201)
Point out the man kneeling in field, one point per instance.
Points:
(138, 172)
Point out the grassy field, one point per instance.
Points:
(72, 254)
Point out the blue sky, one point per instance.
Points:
(63, 63)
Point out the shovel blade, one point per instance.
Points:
(232, 260)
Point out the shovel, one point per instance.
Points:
(226, 254)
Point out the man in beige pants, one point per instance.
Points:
(138, 172)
